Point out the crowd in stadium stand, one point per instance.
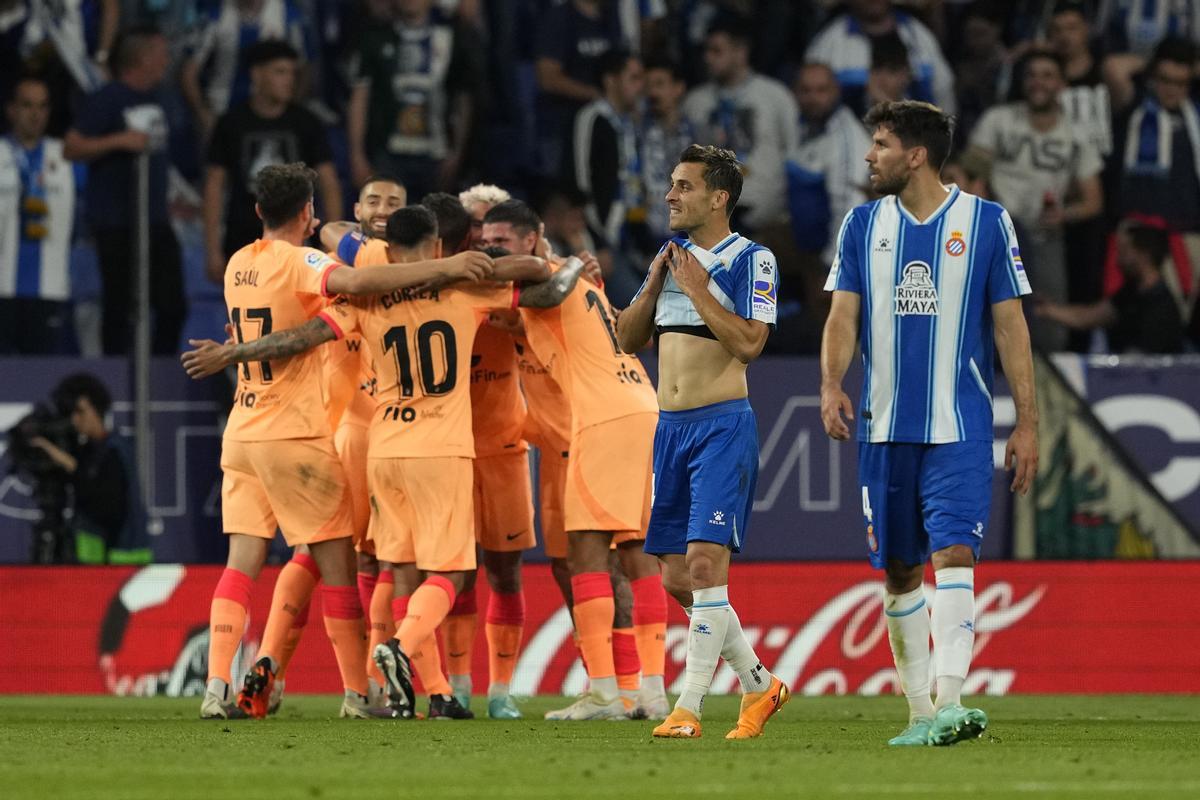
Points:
(1080, 117)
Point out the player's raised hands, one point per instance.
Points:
(686, 270)
(470, 265)
(591, 267)
(208, 358)
(835, 404)
(1021, 455)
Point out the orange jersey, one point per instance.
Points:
(548, 423)
(497, 405)
(420, 342)
(349, 374)
(577, 341)
(271, 286)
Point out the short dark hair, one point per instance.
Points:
(916, 124)
(613, 63)
(722, 170)
(453, 221)
(1042, 54)
(735, 26)
(889, 52)
(666, 64)
(516, 213)
(269, 50)
(85, 385)
(383, 177)
(23, 78)
(129, 46)
(409, 226)
(1175, 49)
(1148, 240)
(1070, 7)
(282, 192)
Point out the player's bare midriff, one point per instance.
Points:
(694, 372)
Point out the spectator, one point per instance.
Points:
(124, 119)
(845, 45)
(1137, 26)
(665, 133)
(267, 129)
(1085, 101)
(478, 200)
(752, 115)
(604, 161)
(1086, 105)
(562, 210)
(232, 27)
(1143, 316)
(970, 171)
(890, 78)
(37, 213)
(572, 38)
(833, 147)
(1155, 164)
(983, 60)
(414, 98)
(1046, 173)
(643, 25)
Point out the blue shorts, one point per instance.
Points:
(921, 498)
(705, 469)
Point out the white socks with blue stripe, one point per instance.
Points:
(953, 629)
(706, 638)
(908, 631)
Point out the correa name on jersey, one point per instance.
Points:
(407, 296)
(927, 289)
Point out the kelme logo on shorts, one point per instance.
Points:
(718, 518)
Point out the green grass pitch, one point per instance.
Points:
(1057, 746)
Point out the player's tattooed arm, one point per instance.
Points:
(209, 358)
(551, 293)
(521, 268)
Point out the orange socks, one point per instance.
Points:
(625, 660)
(291, 642)
(293, 591)
(505, 625)
(227, 620)
(427, 607)
(383, 625)
(594, 608)
(458, 632)
(426, 658)
(650, 623)
(347, 634)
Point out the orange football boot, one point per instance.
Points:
(757, 708)
(679, 724)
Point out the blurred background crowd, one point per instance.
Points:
(1080, 117)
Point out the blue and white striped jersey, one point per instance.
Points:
(926, 325)
(744, 278)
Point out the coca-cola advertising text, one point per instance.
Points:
(1040, 627)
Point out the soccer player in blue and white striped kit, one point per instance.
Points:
(711, 298)
(930, 279)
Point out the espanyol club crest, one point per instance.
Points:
(956, 245)
(872, 542)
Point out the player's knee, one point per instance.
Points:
(956, 555)
(367, 564)
(503, 572)
(678, 586)
(903, 578)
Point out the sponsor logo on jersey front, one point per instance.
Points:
(916, 293)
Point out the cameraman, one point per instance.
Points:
(106, 513)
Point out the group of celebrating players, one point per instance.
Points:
(387, 394)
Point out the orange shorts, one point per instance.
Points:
(504, 503)
(609, 477)
(350, 441)
(296, 485)
(552, 479)
(422, 512)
